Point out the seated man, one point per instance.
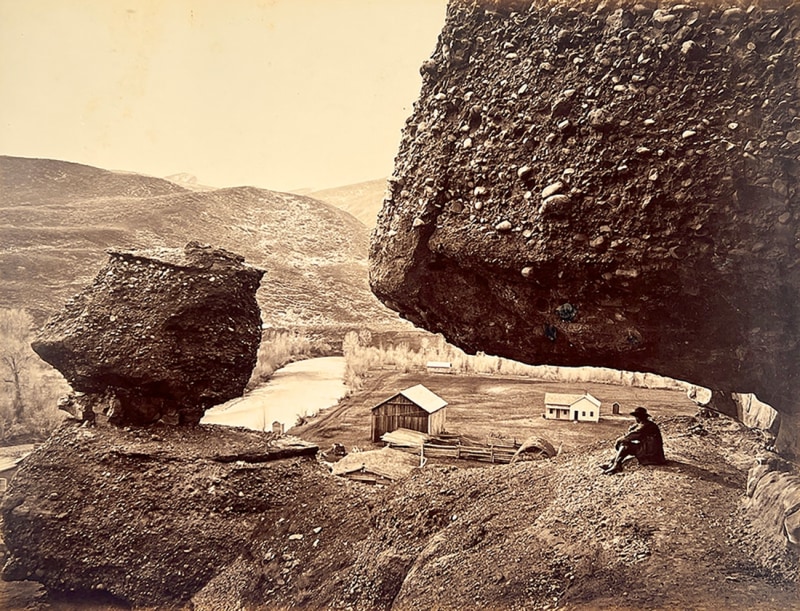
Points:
(643, 441)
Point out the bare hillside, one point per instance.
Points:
(363, 200)
(58, 218)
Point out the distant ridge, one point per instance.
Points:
(188, 181)
(363, 200)
(59, 217)
(23, 180)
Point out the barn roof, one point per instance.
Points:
(393, 464)
(421, 397)
(565, 399)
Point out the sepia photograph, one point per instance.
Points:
(399, 305)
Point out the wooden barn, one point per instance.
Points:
(415, 408)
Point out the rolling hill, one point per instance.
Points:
(363, 200)
(57, 218)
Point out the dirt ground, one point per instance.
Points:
(546, 534)
(486, 407)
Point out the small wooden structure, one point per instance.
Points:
(405, 439)
(562, 406)
(415, 408)
(439, 367)
(457, 447)
(9, 463)
(382, 466)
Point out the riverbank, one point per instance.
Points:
(296, 391)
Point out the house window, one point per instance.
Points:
(583, 414)
(591, 414)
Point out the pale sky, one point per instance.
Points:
(280, 94)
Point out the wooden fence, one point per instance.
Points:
(490, 453)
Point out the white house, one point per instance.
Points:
(561, 406)
(439, 367)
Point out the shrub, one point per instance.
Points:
(361, 357)
(276, 350)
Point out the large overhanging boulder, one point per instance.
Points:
(607, 183)
(161, 334)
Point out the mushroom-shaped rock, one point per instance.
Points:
(696, 276)
(159, 334)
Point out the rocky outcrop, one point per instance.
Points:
(607, 183)
(745, 407)
(159, 334)
(774, 504)
(196, 517)
(757, 414)
(147, 516)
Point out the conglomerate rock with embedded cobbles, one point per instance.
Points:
(607, 183)
(163, 333)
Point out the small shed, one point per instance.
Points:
(415, 408)
(382, 466)
(10, 463)
(439, 367)
(562, 406)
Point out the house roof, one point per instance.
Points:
(566, 400)
(421, 397)
(393, 464)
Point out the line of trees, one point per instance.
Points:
(361, 357)
(281, 347)
(29, 387)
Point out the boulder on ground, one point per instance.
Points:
(159, 334)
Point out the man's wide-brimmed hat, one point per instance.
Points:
(640, 412)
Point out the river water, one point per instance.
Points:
(301, 388)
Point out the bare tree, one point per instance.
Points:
(15, 354)
(28, 386)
